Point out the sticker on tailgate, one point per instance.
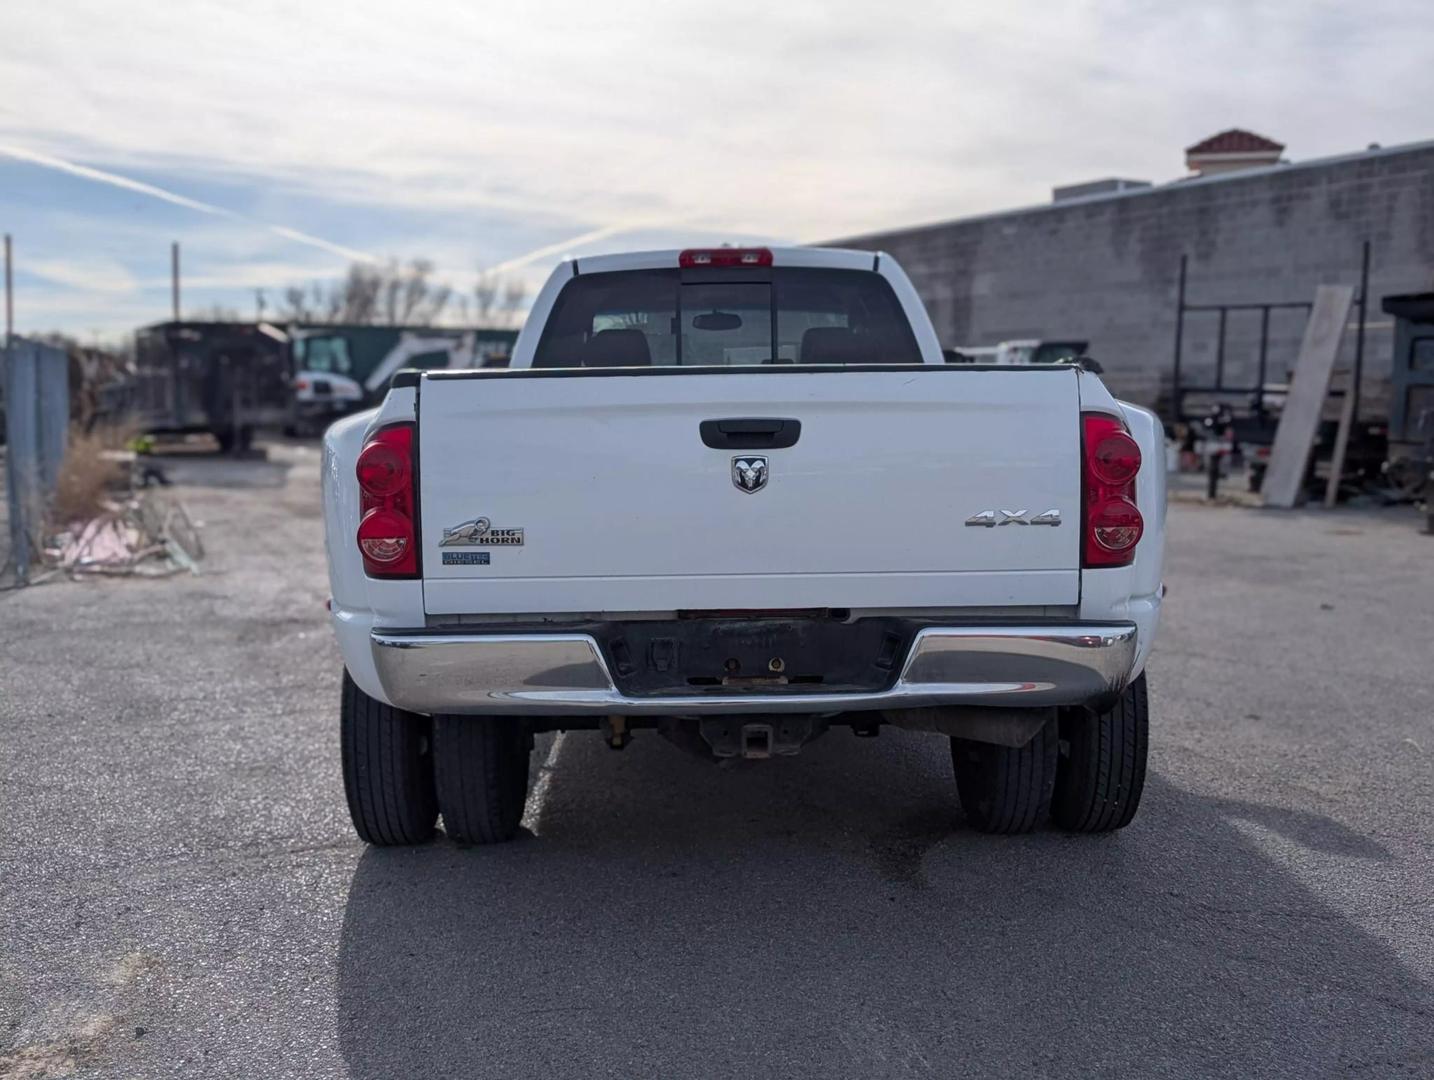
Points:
(466, 558)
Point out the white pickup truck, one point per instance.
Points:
(735, 496)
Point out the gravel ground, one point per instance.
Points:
(181, 893)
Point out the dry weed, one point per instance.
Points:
(89, 474)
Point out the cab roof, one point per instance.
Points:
(827, 258)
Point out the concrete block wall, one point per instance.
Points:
(1105, 269)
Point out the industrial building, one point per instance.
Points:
(1102, 263)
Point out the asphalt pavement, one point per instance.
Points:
(181, 893)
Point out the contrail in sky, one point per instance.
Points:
(99, 176)
(576, 241)
(318, 242)
(562, 247)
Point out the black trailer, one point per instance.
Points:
(227, 379)
(1411, 406)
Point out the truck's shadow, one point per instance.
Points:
(820, 917)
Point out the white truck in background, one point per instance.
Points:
(735, 496)
(1018, 352)
(340, 369)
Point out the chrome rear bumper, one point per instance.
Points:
(551, 674)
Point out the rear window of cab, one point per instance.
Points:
(775, 315)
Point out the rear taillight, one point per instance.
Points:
(699, 257)
(1112, 522)
(387, 537)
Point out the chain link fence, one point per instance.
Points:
(34, 423)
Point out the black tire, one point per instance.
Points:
(1006, 789)
(388, 769)
(1102, 769)
(482, 772)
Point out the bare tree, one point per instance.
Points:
(359, 293)
(396, 294)
(294, 307)
(214, 313)
(415, 287)
(515, 291)
(389, 288)
(326, 302)
(369, 294)
(485, 296)
(423, 301)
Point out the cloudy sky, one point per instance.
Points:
(277, 142)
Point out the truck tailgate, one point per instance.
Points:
(595, 492)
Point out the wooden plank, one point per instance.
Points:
(1341, 445)
(1299, 421)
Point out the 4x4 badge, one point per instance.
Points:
(991, 518)
(749, 473)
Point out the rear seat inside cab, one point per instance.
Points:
(617, 348)
(830, 345)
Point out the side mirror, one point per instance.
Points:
(1085, 363)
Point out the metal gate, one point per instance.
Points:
(1257, 393)
(37, 419)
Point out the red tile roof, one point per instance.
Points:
(1236, 141)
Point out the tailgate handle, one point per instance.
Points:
(750, 433)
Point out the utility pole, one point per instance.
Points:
(174, 277)
(9, 296)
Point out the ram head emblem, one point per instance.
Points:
(749, 473)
